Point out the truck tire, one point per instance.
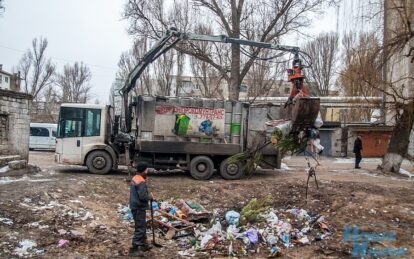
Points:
(231, 171)
(201, 167)
(99, 162)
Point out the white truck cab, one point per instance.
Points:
(81, 134)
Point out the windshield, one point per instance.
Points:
(79, 122)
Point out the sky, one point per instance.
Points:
(91, 31)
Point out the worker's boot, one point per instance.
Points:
(146, 247)
(136, 251)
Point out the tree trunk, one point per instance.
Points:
(399, 141)
(234, 87)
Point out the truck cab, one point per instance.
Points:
(82, 135)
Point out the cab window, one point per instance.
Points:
(79, 122)
(93, 122)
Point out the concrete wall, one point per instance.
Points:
(14, 123)
(411, 144)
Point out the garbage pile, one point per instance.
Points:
(256, 229)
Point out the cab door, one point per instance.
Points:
(69, 142)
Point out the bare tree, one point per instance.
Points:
(264, 76)
(360, 57)
(398, 52)
(36, 69)
(323, 52)
(163, 68)
(127, 61)
(207, 77)
(51, 98)
(269, 20)
(74, 83)
(392, 58)
(361, 70)
(398, 31)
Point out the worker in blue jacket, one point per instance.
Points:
(138, 203)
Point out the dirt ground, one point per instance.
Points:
(67, 202)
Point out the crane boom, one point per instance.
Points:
(168, 41)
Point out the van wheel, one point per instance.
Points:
(99, 162)
(201, 167)
(231, 171)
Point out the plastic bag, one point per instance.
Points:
(232, 217)
(271, 240)
(271, 218)
(232, 231)
(252, 236)
(205, 240)
(300, 214)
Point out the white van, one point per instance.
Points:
(42, 136)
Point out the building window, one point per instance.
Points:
(1, 79)
(6, 79)
(186, 84)
(287, 90)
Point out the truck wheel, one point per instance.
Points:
(99, 162)
(201, 167)
(231, 171)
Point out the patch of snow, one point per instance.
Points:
(24, 246)
(87, 216)
(344, 160)
(405, 172)
(41, 180)
(6, 221)
(73, 214)
(33, 224)
(76, 201)
(7, 180)
(51, 205)
(284, 166)
(4, 169)
(351, 160)
(406, 162)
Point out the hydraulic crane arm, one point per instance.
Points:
(172, 37)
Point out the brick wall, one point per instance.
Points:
(14, 123)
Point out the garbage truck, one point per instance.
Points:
(191, 134)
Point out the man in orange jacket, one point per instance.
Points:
(138, 203)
